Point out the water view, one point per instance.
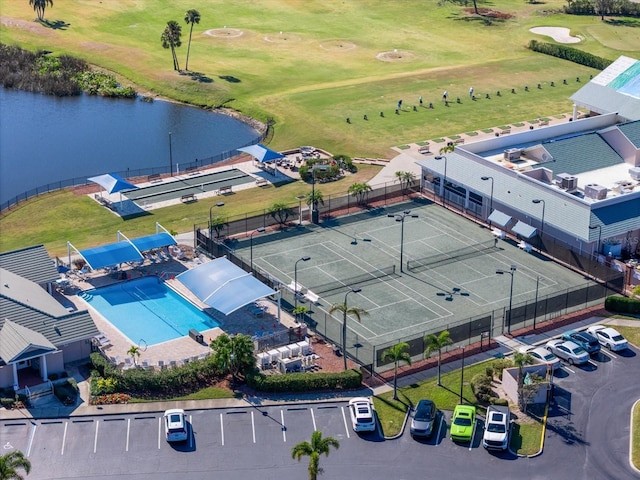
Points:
(46, 139)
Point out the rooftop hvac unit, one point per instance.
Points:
(597, 192)
(635, 173)
(567, 182)
(512, 153)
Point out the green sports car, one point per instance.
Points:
(463, 423)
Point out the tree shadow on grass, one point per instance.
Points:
(55, 24)
(622, 23)
(197, 77)
(229, 78)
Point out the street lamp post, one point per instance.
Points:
(511, 272)
(170, 156)
(257, 230)
(599, 227)
(315, 215)
(491, 197)
(295, 279)
(400, 218)
(444, 180)
(344, 324)
(537, 200)
(462, 373)
(300, 198)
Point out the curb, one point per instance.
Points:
(633, 467)
(404, 425)
(542, 436)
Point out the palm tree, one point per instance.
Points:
(11, 463)
(134, 352)
(280, 212)
(313, 450)
(346, 310)
(233, 354)
(171, 39)
(436, 344)
(191, 17)
(520, 360)
(360, 191)
(398, 353)
(217, 225)
(314, 198)
(39, 7)
(406, 179)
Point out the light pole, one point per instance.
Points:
(462, 373)
(170, 156)
(535, 306)
(599, 227)
(295, 279)
(257, 230)
(444, 181)
(537, 200)
(511, 272)
(300, 198)
(490, 198)
(315, 215)
(344, 324)
(400, 218)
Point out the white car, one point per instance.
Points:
(569, 351)
(497, 428)
(541, 355)
(362, 414)
(608, 337)
(175, 425)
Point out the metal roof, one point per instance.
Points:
(631, 130)
(32, 263)
(18, 343)
(580, 154)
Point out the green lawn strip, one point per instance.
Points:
(454, 137)
(438, 140)
(635, 446)
(504, 127)
(518, 124)
(471, 134)
(533, 122)
(632, 334)
(487, 130)
(422, 143)
(525, 437)
(403, 147)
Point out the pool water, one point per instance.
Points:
(146, 310)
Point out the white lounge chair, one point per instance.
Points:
(312, 297)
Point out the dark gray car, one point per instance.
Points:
(584, 339)
(423, 419)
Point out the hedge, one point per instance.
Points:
(305, 382)
(67, 391)
(622, 305)
(570, 53)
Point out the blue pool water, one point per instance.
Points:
(147, 310)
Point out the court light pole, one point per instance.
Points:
(491, 197)
(170, 156)
(344, 324)
(306, 258)
(257, 230)
(400, 218)
(511, 272)
(300, 198)
(536, 201)
(315, 215)
(462, 373)
(599, 227)
(444, 181)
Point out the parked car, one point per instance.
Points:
(423, 419)
(542, 355)
(362, 414)
(569, 351)
(608, 337)
(497, 428)
(584, 339)
(175, 425)
(463, 423)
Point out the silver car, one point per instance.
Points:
(423, 419)
(569, 351)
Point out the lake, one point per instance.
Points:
(46, 139)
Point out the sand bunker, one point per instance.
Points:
(395, 56)
(224, 32)
(559, 34)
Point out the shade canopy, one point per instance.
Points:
(111, 255)
(524, 230)
(224, 286)
(112, 182)
(159, 240)
(261, 153)
(499, 218)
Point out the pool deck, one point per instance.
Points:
(183, 349)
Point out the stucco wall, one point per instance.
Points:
(510, 382)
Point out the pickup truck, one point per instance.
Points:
(497, 428)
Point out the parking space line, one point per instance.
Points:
(64, 437)
(473, 435)
(33, 433)
(191, 436)
(95, 438)
(284, 429)
(608, 354)
(126, 447)
(253, 428)
(592, 364)
(313, 419)
(439, 430)
(159, 430)
(346, 425)
(222, 429)
(567, 368)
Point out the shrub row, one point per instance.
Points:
(305, 382)
(481, 388)
(570, 53)
(67, 391)
(620, 304)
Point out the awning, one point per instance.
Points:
(261, 153)
(499, 218)
(112, 182)
(110, 255)
(150, 242)
(224, 286)
(524, 230)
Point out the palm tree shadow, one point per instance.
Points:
(55, 24)
(197, 76)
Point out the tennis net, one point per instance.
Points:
(447, 258)
(359, 280)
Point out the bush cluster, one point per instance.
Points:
(110, 399)
(622, 305)
(499, 365)
(622, 8)
(305, 382)
(570, 53)
(67, 391)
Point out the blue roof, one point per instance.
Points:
(150, 242)
(112, 254)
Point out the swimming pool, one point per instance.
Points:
(146, 310)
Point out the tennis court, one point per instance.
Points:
(448, 278)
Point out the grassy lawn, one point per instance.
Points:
(635, 448)
(525, 438)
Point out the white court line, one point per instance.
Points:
(159, 430)
(313, 419)
(95, 439)
(64, 437)
(222, 429)
(33, 433)
(346, 425)
(126, 448)
(253, 428)
(284, 430)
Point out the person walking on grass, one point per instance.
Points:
(471, 92)
(445, 95)
(420, 100)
